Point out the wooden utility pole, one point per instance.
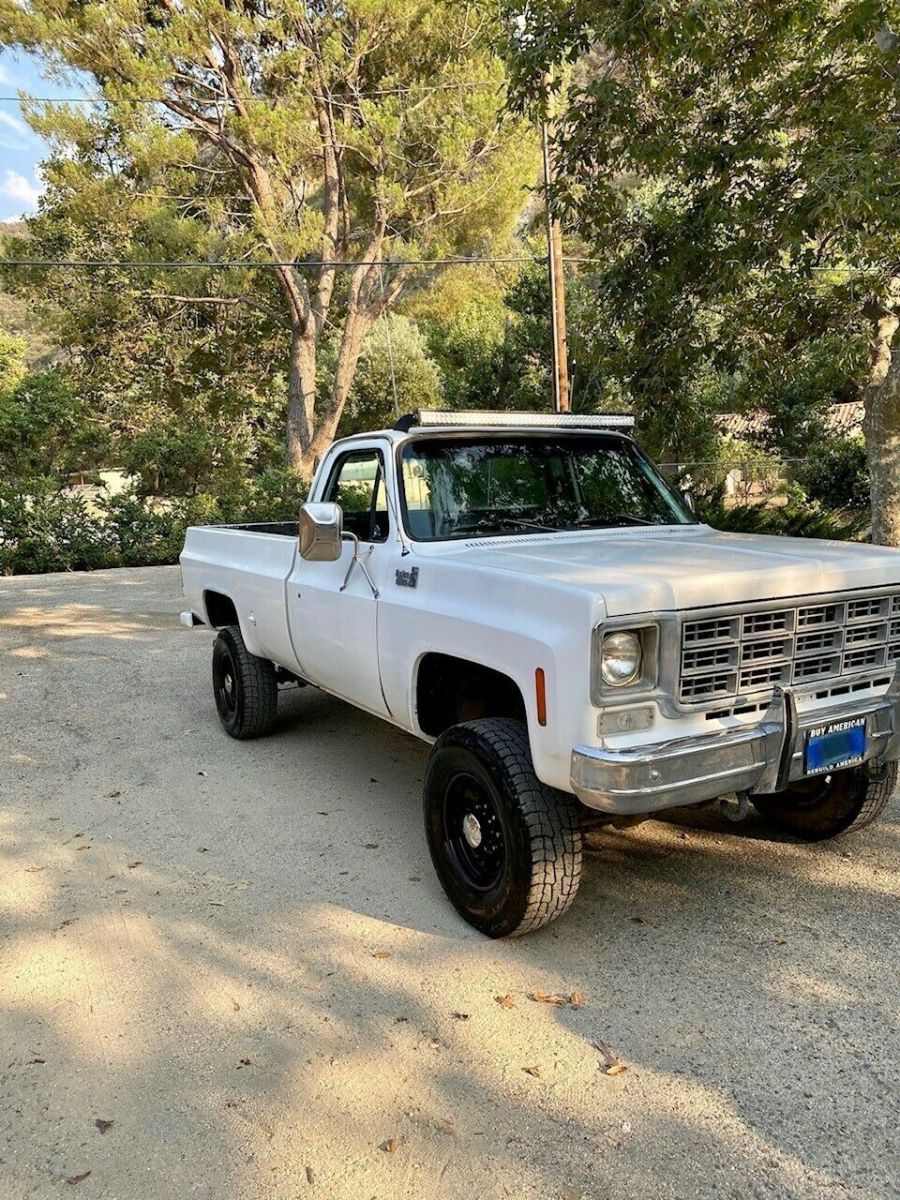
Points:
(557, 289)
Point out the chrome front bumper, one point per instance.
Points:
(758, 758)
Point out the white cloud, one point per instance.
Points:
(6, 79)
(23, 191)
(15, 124)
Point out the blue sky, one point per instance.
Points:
(21, 150)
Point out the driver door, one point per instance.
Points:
(334, 631)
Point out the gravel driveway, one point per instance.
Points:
(238, 957)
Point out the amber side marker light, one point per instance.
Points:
(540, 693)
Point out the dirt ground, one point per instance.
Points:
(238, 956)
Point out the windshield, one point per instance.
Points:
(476, 486)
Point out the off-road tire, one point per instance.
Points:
(540, 858)
(843, 802)
(248, 708)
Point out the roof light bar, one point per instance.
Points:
(520, 420)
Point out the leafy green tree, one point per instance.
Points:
(46, 432)
(395, 375)
(349, 133)
(731, 163)
(12, 361)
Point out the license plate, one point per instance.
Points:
(830, 747)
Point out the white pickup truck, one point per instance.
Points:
(526, 593)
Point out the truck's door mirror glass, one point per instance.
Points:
(689, 502)
(321, 532)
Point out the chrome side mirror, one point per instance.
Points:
(689, 502)
(321, 532)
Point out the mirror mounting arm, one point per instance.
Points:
(357, 558)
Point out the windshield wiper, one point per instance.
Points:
(524, 523)
(614, 520)
(496, 525)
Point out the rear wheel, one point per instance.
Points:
(245, 687)
(506, 848)
(824, 806)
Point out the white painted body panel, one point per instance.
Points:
(511, 603)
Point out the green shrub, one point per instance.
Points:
(837, 475)
(140, 535)
(43, 528)
(47, 530)
(799, 517)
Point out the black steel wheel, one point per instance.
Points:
(826, 805)
(473, 831)
(245, 687)
(506, 848)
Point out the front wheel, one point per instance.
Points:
(826, 805)
(245, 687)
(506, 848)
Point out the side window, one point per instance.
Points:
(357, 485)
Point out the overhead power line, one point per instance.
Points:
(245, 263)
(254, 263)
(218, 98)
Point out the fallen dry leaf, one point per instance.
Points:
(37, 1059)
(103, 1125)
(461, 1016)
(535, 1071)
(371, 845)
(84, 847)
(34, 870)
(392, 1145)
(547, 998)
(415, 878)
(608, 1060)
(235, 1006)
(112, 795)
(637, 920)
(310, 1175)
(245, 1062)
(781, 941)
(506, 1001)
(576, 999)
(381, 954)
(136, 863)
(77, 1178)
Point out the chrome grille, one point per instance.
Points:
(736, 653)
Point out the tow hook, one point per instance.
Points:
(735, 807)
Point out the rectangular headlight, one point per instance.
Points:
(624, 661)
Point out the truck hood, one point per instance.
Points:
(642, 570)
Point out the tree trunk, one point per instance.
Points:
(301, 401)
(356, 325)
(882, 429)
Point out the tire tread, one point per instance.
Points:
(259, 685)
(551, 819)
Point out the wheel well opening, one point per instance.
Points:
(220, 610)
(450, 690)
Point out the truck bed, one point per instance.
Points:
(248, 565)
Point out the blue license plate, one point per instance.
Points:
(830, 747)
